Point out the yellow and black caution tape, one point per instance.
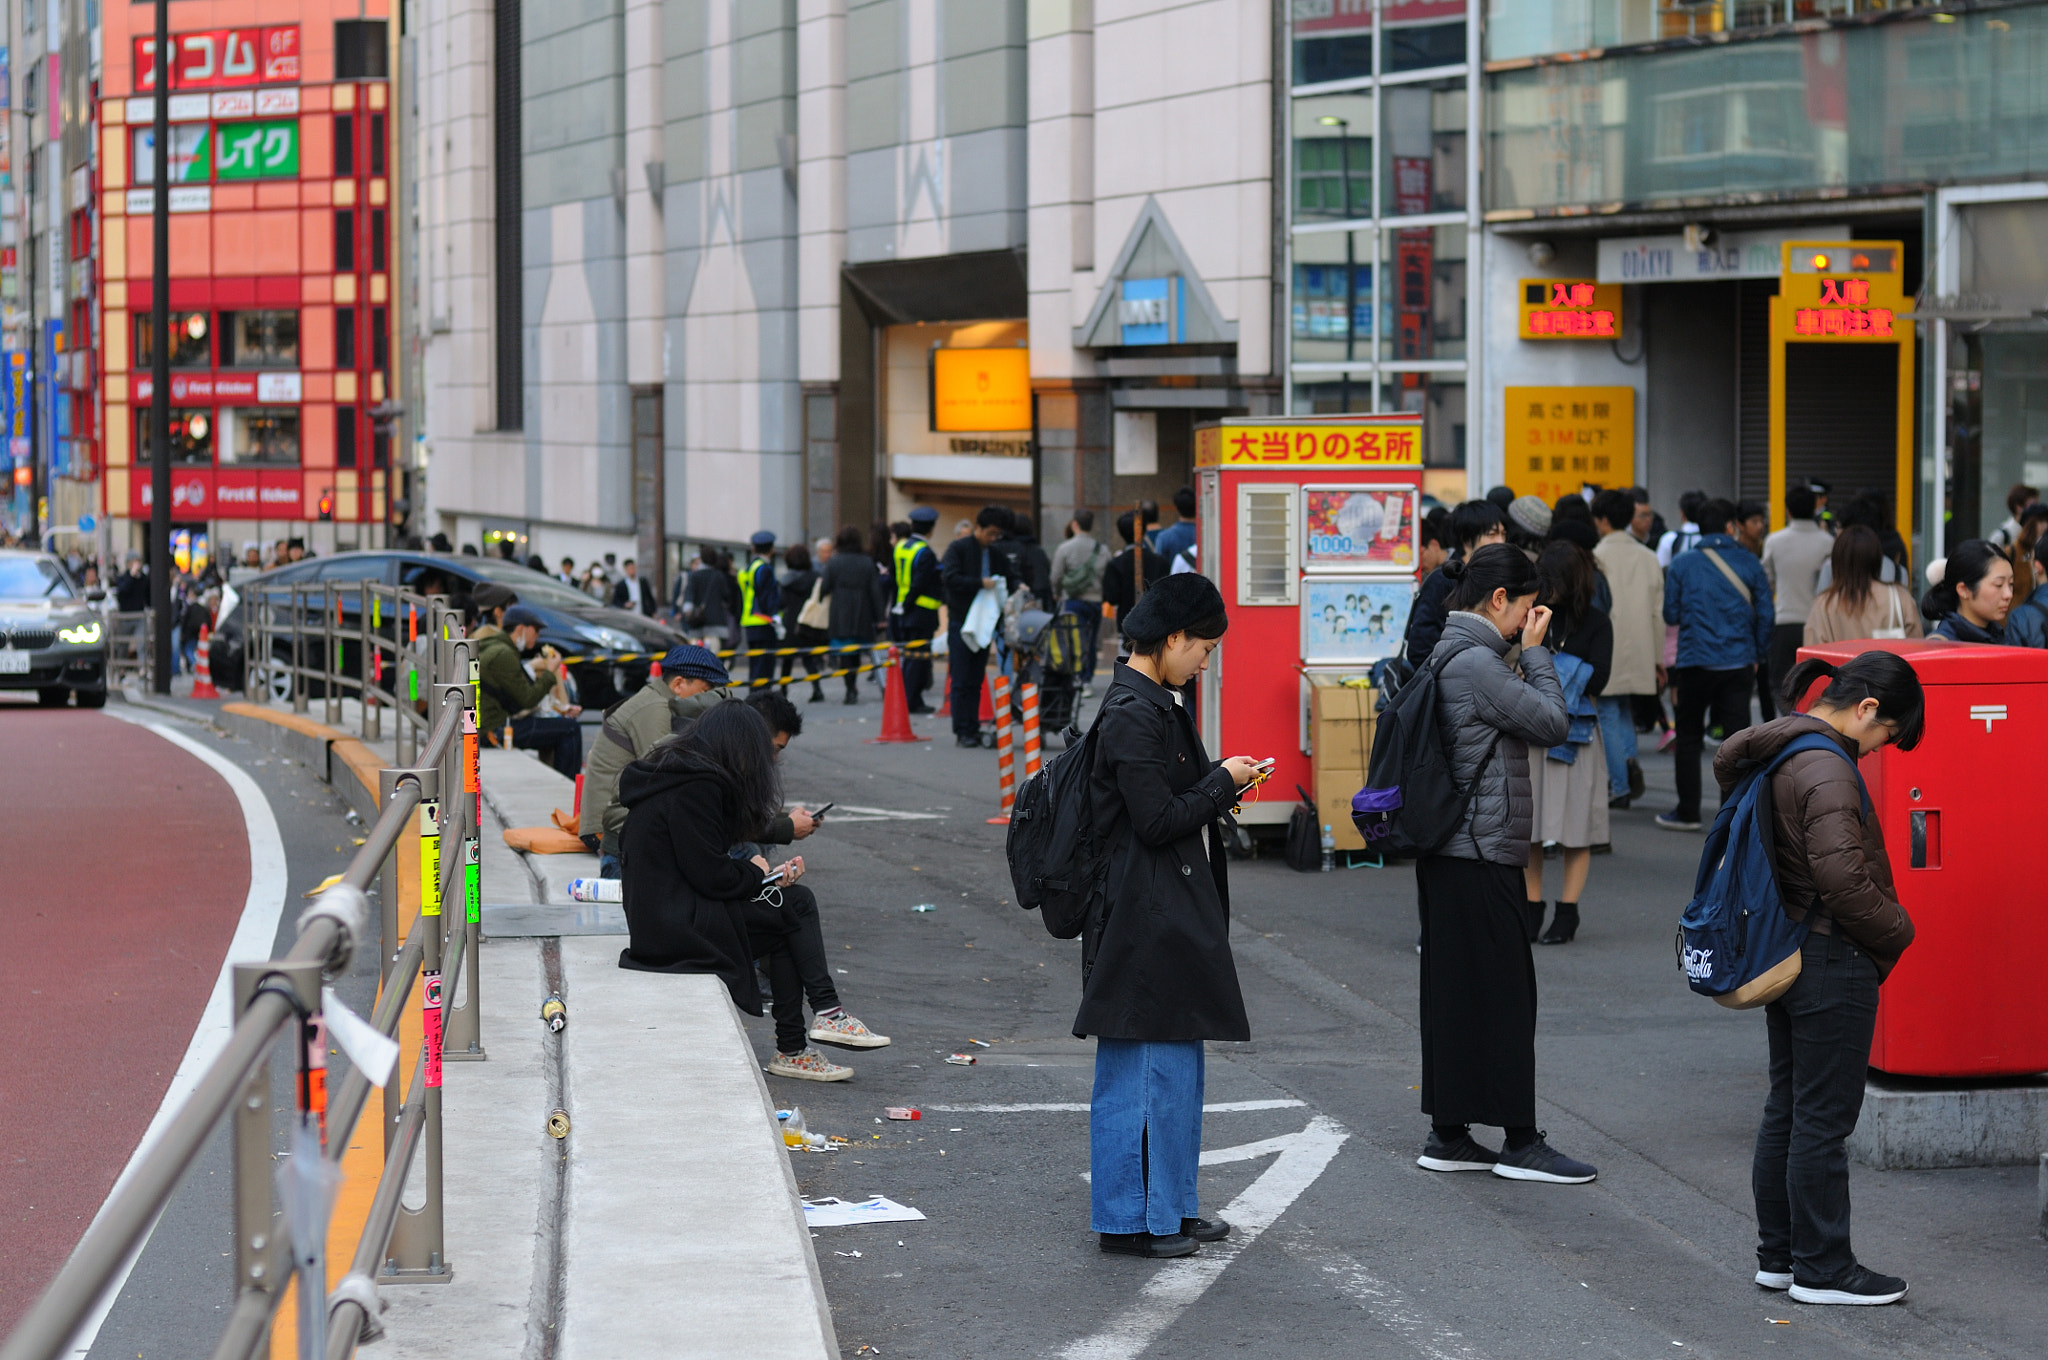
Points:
(620, 658)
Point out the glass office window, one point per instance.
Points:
(1422, 142)
(1934, 104)
(1332, 40)
(1332, 394)
(1333, 157)
(1532, 28)
(1333, 296)
(1418, 46)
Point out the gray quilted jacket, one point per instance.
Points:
(1480, 698)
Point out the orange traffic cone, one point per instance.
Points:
(202, 680)
(896, 704)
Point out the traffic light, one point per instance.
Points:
(327, 503)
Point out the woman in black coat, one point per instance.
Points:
(1157, 976)
(855, 589)
(688, 802)
(796, 593)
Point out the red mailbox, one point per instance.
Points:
(1961, 829)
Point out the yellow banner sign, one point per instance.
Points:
(1844, 290)
(1560, 438)
(981, 389)
(1374, 442)
(1569, 309)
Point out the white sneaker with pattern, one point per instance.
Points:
(809, 1065)
(844, 1030)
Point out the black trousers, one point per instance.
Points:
(807, 637)
(761, 667)
(965, 668)
(1786, 639)
(792, 941)
(1478, 994)
(915, 625)
(559, 741)
(1726, 694)
(1820, 1045)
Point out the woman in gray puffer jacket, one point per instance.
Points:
(1478, 979)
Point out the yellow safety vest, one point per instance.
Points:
(906, 557)
(748, 618)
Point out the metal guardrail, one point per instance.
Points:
(128, 650)
(440, 794)
(298, 638)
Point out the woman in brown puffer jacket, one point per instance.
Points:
(1833, 874)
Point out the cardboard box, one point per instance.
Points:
(1344, 702)
(1333, 805)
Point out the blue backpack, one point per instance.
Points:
(1735, 942)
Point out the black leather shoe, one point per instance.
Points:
(974, 742)
(1204, 1229)
(920, 709)
(1145, 1244)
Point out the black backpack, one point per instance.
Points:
(1409, 755)
(1056, 858)
(1304, 853)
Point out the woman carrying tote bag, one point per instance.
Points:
(1478, 978)
(1157, 977)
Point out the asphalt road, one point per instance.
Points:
(126, 873)
(1361, 1252)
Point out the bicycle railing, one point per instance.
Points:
(128, 646)
(283, 998)
(299, 638)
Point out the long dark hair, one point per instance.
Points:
(1497, 566)
(1567, 574)
(731, 741)
(849, 541)
(1883, 676)
(1857, 560)
(1968, 565)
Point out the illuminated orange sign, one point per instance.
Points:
(1842, 291)
(1395, 443)
(1570, 309)
(981, 389)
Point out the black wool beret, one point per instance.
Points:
(1172, 605)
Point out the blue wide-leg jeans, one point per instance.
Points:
(1145, 1135)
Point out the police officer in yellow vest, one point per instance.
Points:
(914, 617)
(760, 601)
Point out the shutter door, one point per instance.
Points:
(1753, 389)
(1841, 417)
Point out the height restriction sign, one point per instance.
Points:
(1561, 438)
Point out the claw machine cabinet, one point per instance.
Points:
(1308, 527)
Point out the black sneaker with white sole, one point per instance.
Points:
(1860, 1286)
(1541, 1162)
(1770, 1277)
(1459, 1154)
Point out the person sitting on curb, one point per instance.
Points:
(506, 695)
(692, 679)
(790, 937)
(687, 899)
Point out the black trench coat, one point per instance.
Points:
(1156, 959)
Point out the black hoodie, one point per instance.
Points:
(684, 893)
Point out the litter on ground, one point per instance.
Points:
(839, 1213)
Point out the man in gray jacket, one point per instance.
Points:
(1077, 579)
(1793, 557)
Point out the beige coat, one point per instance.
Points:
(1832, 621)
(1638, 585)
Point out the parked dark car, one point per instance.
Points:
(574, 623)
(51, 638)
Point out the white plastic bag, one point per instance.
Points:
(984, 616)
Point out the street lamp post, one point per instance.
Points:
(1343, 126)
(160, 369)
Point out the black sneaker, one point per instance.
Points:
(1204, 1229)
(970, 742)
(1145, 1244)
(1460, 1154)
(1774, 1275)
(1636, 783)
(1541, 1162)
(1858, 1286)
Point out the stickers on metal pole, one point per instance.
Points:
(430, 857)
(472, 881)
(430, 1023)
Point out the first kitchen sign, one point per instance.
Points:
(223, 57)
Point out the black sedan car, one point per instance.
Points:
(572, 622)
(51, 638)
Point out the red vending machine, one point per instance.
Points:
(1307, 526)
(1960, 824)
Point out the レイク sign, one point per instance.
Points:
(222, 57)
(1384, 443)
(1569, 309)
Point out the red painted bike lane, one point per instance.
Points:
(124, 867)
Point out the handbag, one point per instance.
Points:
(984, 617)
(817, 611)
(1895, 619)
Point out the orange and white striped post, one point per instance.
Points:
(1006, 768)
(1030, 728)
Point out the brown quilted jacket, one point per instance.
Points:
(1830, 856)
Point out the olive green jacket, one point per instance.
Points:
(504, 689)
(628, 733)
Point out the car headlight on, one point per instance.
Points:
(611, 639)
(85, 634)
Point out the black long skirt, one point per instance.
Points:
(1478, 995)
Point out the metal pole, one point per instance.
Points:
(330, 661)
(366, 686)
(416, 1250)
(465, 1039)
(298, 656)
(160, 365)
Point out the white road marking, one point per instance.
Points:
(1387, 1305)
(255, 933)
(1179, 1284)
(1243, 1152)
(1077, 1107)
(848, 812)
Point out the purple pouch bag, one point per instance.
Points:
(1372, 812)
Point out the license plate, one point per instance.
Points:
(13, 662)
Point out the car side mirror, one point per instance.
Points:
(96, 594)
